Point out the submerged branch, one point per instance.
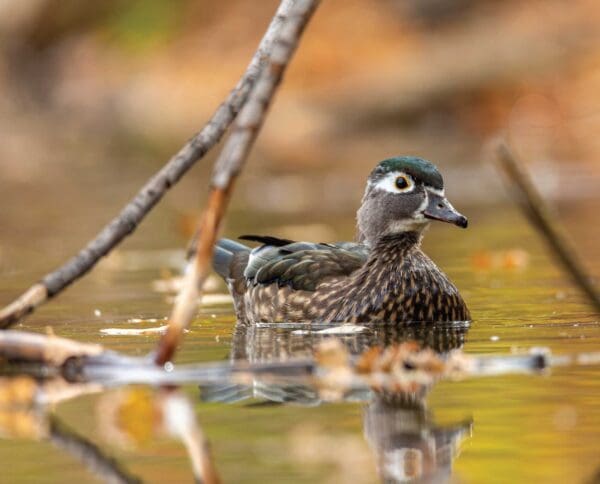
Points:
(227, 168)
(398, 368)
(539, 213)
(153, 191)
(88, 454)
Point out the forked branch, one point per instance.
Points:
(153, 191)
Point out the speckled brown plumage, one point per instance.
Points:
(396, 282)
(384, 276)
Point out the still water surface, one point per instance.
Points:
(520, 428)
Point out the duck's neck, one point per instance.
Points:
(385, 260)
(395, 245)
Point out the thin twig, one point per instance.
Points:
(153, 191)
(539, 213)
(227, 167)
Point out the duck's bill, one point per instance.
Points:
(439, 208)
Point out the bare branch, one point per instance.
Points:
(226, 170)
(539, 213)
(398, 367)
(153, 191)
(39, 348)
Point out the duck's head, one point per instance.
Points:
(404, 194)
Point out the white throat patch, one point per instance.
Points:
(409, 225)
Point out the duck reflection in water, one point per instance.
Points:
(408, 445)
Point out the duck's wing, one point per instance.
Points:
(301, 265)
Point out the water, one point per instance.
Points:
(515, 428)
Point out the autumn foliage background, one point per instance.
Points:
(97, 95)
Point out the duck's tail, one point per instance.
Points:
(226, 255)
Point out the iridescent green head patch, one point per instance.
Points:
(421, 170)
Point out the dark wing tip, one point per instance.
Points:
(267, 240)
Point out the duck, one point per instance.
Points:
(383, 275)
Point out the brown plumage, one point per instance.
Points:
(383, 277)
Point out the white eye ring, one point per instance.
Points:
(404, 183)
(390, 183)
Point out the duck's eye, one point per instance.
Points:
(403, 183)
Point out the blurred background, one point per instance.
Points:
(96, 96)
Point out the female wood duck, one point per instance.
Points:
(385, 276)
